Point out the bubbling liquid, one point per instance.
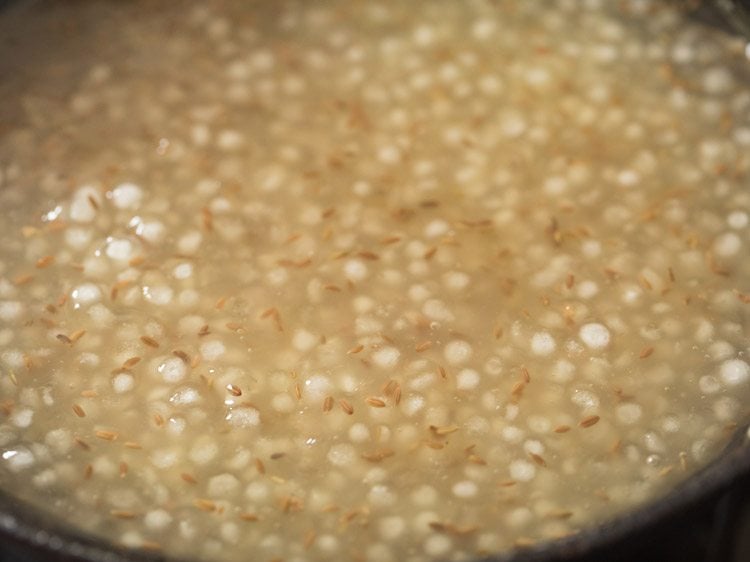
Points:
(379, 281)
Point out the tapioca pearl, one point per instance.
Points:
(422, 381)
(456, 280)
(392, 277)
(522, 470)
(436, 228)
(720, 350)
(418, 268)
(727, 244)
(6, 336)
(229, 140)
(342, 454)
(277, 276)
(424, 168)
(449, 72)
(631, 294)
(726, 408)
(734, 372)
(737, 220)
(467, 379)
(85, 204)
(594, 335)
(465, 489)
(119, 249)
(96, 266)
(381, 495)
(483, 29)
(153, 231)
(555, 185)
(158, 294)
(257, 492)
(18, 459)
(200, 134)
(359, 433)
(283, 403)
(189, 298)
(490, 85)
(436, 309)
(327, 543)
(311, 215)
(512, 125)
(185, 397)
(172, 369)
(591, 248)
(164, 458)
(537, 76)
(478, 425)
(420, 81)
(391, 527)
(212, 350)
(303, 340)
(127, 196)
(123, 382)
(512, 434)
(375, 475)
(316, 387)
(534, 447)
(78, 238)
(7, 289)
(415, 249)
(457, 352)
(511, 411)
(453, 135)
(366, 325)
(413, 405)
(539, 424)
(628, 178)
(88, 293)
(671, 424)
(628, 413)
(562, 371)
(542, 343)
(362, 188)
(131, 539)
(355, 270)
(683, 53)
(11, 310)
(654, 442)
(189, 242)
(183, 271)
(363, 304)
(587, 289)
(717, 80)
(494, 366)
(45, 479)
(243, 417)
(419, 293)
(13, 358)
(386, 357)
(223, 485)
(22, 417)
(157, 519)
(437, 545)
(424, 496)
(585, 399)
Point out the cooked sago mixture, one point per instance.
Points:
(371, 281)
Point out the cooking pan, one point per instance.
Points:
(715, 494)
